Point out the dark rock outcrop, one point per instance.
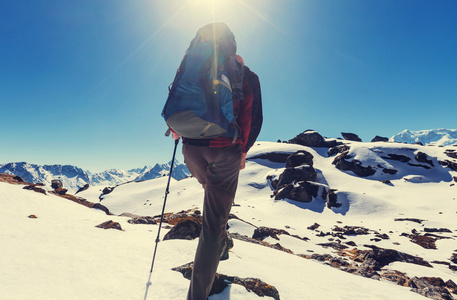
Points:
(430, 287)
(337, 149)
(311, 138)
(186, 229)
(83, 188)
(379, 139)
(351, 136)
(451, 153)
(142, 220)
(422, 157)
(302, 173)
(447, 163)
(299, 158)
(302, 191)
(35, 188)
(56, 184)
(341, 162)
(398, 157)
(110, 225)
(263, 232)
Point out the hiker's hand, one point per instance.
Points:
(175, 136)
(243, 161)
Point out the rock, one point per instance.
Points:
(337, 149)
(81, 189)
(142, 220)
(379, 139)
(309, 138)
(453, 258)
(18, 179)
(291, 175)
(355, 166)
(263, 232)
(378, 258)
(299, 158)
(430, 287)
(110, 225)
(332, 199)
(422, 157)
(415, 220)
(107, 190)
(390, 171)
(451, 165)
(351, 136)
(61, 191)
(451, 153)
(301, 191)
(398, 157)
(56, 184)
(33, 187)
(185, 229)
(424, 241)
(101, 207)
(314, 226)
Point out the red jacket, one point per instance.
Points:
(250, 117)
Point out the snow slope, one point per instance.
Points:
(62, 255)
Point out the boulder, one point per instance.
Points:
(35, 188)
(56, 184)
(451, 165)
(142, 220)
(107, 190)
(261, 233)
(337, 149)
(309, 138)
(60, 191)
(299, 158)
(423, 158)
(332, 199)
(301, 191)
(451, 153)
(430, 287)
(379, 139)
(302, 173)
(355, 166)
(110, 225)
(186, 229)
(351, 136)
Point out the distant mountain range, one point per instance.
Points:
(74, 178)
(438, 137)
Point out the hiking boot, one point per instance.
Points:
(228, 245)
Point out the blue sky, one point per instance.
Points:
(84, 82)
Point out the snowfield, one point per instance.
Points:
(60, 254)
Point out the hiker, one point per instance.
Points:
(216, 163)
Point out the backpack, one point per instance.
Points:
(207, 84)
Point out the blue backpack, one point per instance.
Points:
(200, 102)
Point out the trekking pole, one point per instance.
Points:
(167, 191)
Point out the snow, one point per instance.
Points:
(438, 137)
(62, 255)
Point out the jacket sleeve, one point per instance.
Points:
(250, 115)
